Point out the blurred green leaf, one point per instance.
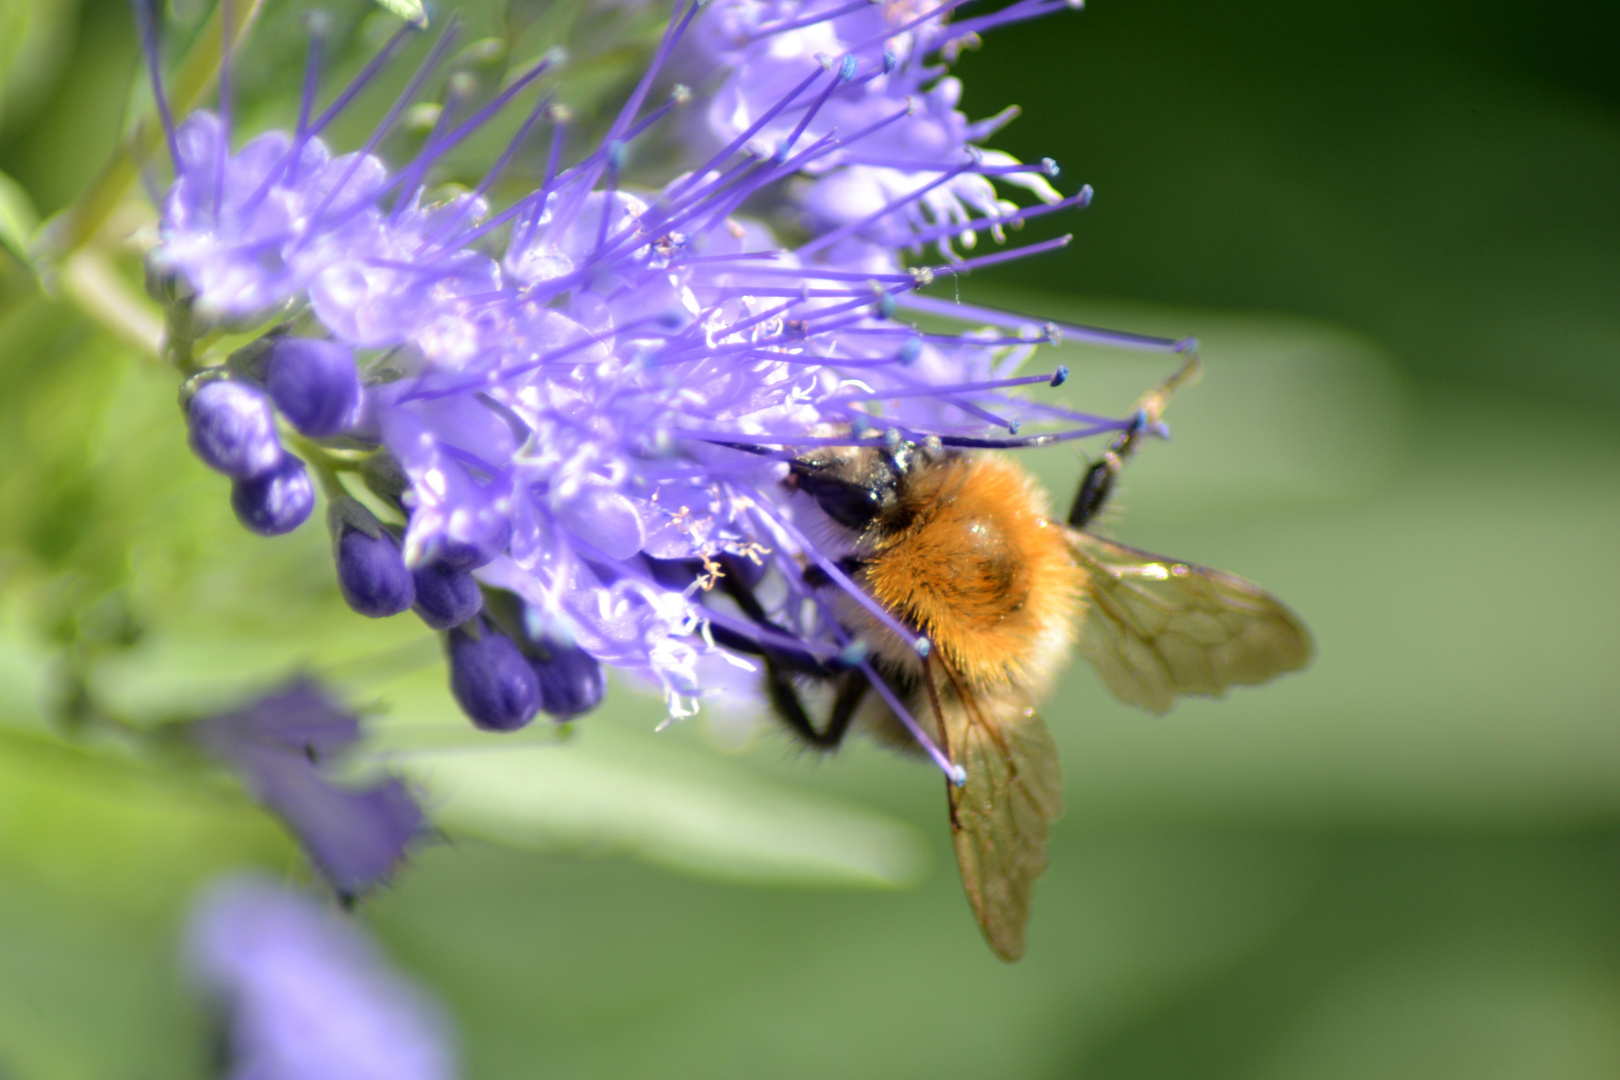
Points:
(620, 788)
(98, 857)
(1290, 413)
(1466, 1009)
(35, 36)
(18, 218)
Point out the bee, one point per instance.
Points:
(962, 547)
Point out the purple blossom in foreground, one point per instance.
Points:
(354, 837)
(587, 400)
(306, 995)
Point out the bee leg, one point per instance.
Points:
(1098, 483)
(785, 700)
(780, 667)
(1096, 486)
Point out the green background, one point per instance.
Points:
(1394, 229)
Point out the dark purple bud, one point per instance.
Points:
(571, 680)
(371, 573)
(277, 502)
(314, 384)
(233, 429)
(470, 555)
(446, 596)
(492, 681)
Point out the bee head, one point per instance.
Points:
(861, 486)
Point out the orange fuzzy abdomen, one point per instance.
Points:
(983, 572)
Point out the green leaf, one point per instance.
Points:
(621, 788)
(18, 218)
(675, 812)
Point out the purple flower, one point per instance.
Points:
(924, 178)
(355, 837)
(306, 995)
(565, 393)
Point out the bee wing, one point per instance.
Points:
(1156, 628)
(1002, 816)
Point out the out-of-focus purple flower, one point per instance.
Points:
(568, 391)
(305, 994)
(251, 230)
(355, 837)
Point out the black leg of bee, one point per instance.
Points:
(782, 665)
(785, 700)
(1095, 487)
(1098, 483)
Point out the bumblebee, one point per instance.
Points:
(961, 546)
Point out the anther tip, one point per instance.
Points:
(846, 68)
(958, 775)
(923, 646)
(1086, 194)
(1061, 375)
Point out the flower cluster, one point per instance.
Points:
(548, 426)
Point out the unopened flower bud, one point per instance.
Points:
(278, 501)
(491, 680)
(314, 384)
(233, 429)
(446, 596)
(571, 680)
(371, 571)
